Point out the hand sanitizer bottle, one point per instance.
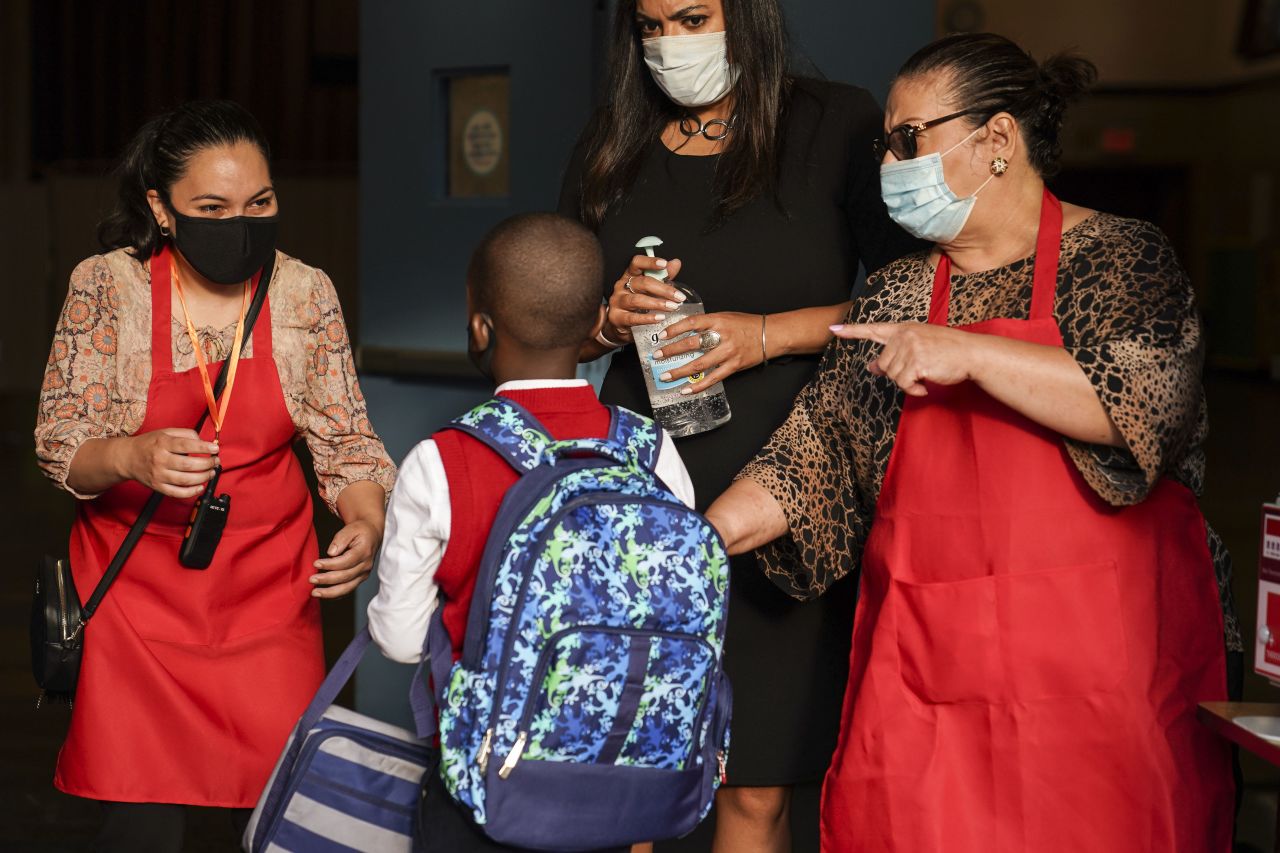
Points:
(679, 414)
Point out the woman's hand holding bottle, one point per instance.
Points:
(634, 293)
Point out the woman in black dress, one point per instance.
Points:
(769, 209)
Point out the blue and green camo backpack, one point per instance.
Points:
(590, 708)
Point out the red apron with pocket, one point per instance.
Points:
(1026, 658)
(193, 679)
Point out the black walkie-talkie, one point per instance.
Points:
(204, 530)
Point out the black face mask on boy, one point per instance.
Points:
(226, 251)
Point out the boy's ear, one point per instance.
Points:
(600, 318)
(481, 328)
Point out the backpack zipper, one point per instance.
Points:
(486, 746)
(512, 757)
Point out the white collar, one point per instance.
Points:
(533, 384)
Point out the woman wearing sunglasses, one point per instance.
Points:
(759, 185)
(1007, 436)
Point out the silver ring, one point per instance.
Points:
(709, 339)
(626, 285)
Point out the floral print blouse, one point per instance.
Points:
(1127, 315)
(99, 369)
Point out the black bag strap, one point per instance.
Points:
(153, 502)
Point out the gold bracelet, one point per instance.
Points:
(764, 354)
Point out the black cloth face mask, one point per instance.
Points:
(226, 251)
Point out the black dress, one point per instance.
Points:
(787, 660)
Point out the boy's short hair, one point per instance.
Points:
(540, 277)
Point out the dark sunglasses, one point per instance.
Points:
(901, 142)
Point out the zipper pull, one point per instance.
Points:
(724, 775)
(512, 757)
(486, 746)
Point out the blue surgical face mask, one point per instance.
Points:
(919, 199)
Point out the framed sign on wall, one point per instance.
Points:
(479, 159)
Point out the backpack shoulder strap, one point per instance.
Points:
(509, 430)
(638, 434)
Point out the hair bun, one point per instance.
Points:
(1062, 78)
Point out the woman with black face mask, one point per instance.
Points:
(192, 679)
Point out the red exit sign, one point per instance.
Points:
(1119, 140)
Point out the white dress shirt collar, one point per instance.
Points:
(532, 384)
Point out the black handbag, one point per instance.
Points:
(57, 617)
(56, 625)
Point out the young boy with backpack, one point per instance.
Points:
(543, 544)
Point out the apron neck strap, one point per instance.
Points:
(1045, 283)
(261, 337)
(161, 313)
(1048, 250)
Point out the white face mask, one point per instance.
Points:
(694, 71)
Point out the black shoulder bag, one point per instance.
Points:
(57, 617)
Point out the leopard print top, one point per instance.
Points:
(1127, 315)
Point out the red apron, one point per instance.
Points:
(1026, 658)
(192, 680)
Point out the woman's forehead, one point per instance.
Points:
(231, 172)
(660, 9)
(228, 164)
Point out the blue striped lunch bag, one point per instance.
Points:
(345, 781)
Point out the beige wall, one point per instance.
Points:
(1134, 42)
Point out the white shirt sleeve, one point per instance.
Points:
(413, 543)
(670, 470)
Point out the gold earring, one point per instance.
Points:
(999, 166)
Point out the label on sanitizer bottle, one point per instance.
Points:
(661, 366)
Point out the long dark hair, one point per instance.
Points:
(157, 157)
(990, 74)
(616, 140)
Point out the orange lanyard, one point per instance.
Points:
(216, 411)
